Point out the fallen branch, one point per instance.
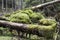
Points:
(45, 4)
(25, 28)
(18, 26)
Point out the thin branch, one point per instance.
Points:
(45, 4)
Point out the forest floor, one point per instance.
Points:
(16, 38)
(5, 38)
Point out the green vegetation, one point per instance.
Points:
(30, 17)
(46, 24)
(34, 20)
(5, 38)
(24, 16)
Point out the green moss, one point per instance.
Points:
(19, 17)
(7, 15)
(33, 15)
(42, 27)
(47, 21)
(24, 16)
(48, 30)
(28, 16)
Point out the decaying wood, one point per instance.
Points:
(45, 4)
(19, 27)
(14, 25)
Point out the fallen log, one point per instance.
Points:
(26, 28)
(44, 4)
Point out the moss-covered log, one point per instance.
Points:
(30, 22)
(44, 30)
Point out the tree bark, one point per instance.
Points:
(44, 4)
(20, 27)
